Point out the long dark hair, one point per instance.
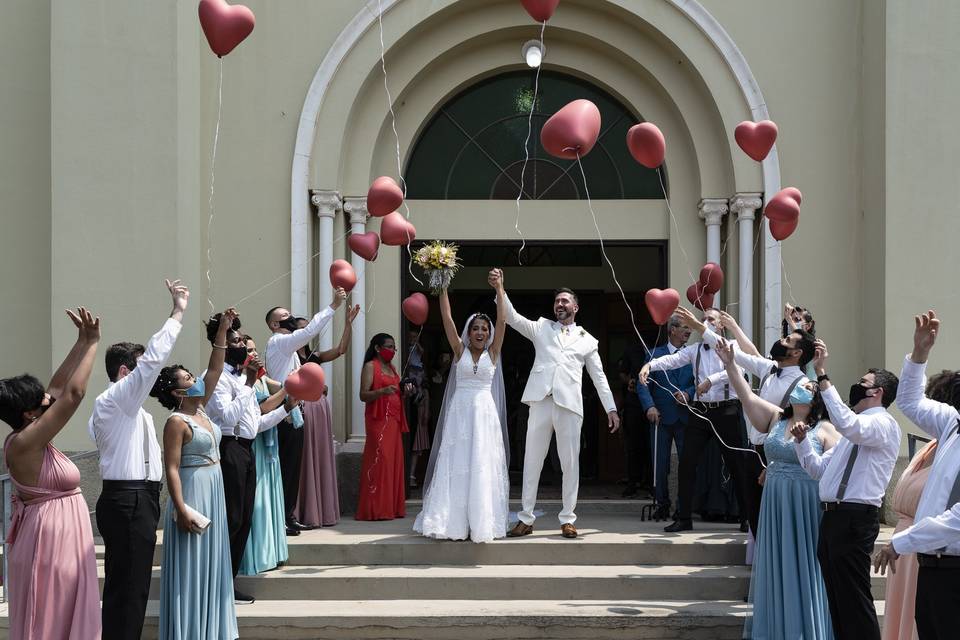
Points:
(376, 341)
(818, 410)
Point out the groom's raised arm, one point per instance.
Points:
(526, 327)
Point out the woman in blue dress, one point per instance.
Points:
(196, 575)
(267, 543)
(786, 588)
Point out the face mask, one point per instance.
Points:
(289, 323)
(236, 355)
(196, 390)
(857, 393)
(779, 351)
(801, 395)
(387, 354)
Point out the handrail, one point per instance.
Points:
(6, 489)
(912, 440)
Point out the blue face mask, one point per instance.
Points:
(196, 390)
(801, 395)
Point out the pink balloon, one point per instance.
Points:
(366, 245)
(396, 231)
(416, 308)
(225, 26)
(782, 207)
(711, 277)
(756, 138)
(647, 144)
(343, 275)
(306, 383)
(783, 230)
(540, 10)
(793, 193)
(572, 130)
(661, 303)
(698, 297)
(384, 196)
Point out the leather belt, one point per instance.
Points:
(132, 485)
(716, 405)
(938, 561)
(848, 506)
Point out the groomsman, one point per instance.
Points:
(935, 534)
(281, 359)
(132, 470)
(851, 501)
(234, 407)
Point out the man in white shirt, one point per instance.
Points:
(851, 501)
(281, 359)
(935, 533)
(234, 407)
(713, 405)
(132, 469)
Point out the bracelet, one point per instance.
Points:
(822, 378)
(220, 346)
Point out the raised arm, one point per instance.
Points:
(62, 375)
(526, 326)
(288, 343)
(332, 354)
(217, 354)
(933, 417)
(745, 344)
(669, 362)
(450, 329)
(501, 327)
(759, 412)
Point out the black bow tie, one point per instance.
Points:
(706, 347)
(776, 371)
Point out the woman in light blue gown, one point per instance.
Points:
(786, 589)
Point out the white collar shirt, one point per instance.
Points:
(120, 426)
(709, 363)
(281, 352)
(936, 525)
(876, 432)
(234, 407)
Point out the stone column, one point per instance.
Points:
(712, 211)
(356, 208)
(327, 204)
(745, 205)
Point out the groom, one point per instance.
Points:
(553, 394)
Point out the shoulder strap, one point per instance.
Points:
(696, 369)
(793, 385)
(842, 489)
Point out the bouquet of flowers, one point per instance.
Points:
(439, 261)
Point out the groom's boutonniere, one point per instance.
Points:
(582, 333)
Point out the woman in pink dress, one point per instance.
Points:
(53, 592)
(901, 595)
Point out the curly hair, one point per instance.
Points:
(166, 384)
(945, 387)
(17, 395)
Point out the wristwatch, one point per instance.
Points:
(822, 378)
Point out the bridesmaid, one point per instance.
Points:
(901, 595)
(381, 470)
(53, 591)
(196, 574)
(267, 543)
(319, 501)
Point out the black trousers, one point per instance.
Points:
(726, 421)
(127, 520)
(636, 433)
(846, 543)
(290, 441)
(938, 600)
(239, 491)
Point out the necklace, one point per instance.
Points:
(477, 363)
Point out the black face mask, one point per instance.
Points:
(289, 323)
(857, 393)
(236, 355)
(779, 351)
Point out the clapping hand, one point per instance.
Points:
(924, 335)
(88, 327)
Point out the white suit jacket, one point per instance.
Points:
(558, 367)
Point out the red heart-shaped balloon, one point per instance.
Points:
(782, 207)
(540, 10)
(783, 230)
(793, 193)
(661, 303)
(572, 130)
(698, 297)
(224, 25)
(342, 275)
(366, 245)
(646, 144)
(396, 231)
(384, 197)
(306, 383)
(711, 277)
(416, 308)
(756, 138)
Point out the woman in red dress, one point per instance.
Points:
(381, 472)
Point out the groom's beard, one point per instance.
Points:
(562, 315)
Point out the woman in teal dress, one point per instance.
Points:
(267, 544)
(196, 575)
(786, 589)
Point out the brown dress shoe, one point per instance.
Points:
(521, 529)
(568, 530)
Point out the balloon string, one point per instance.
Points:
(213, 174)
(526, 148)
(676, 226)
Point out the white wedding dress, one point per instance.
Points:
(468, 495)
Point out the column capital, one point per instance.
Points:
(356, 208)
(745, 205)
(326, 202)
(712, 210)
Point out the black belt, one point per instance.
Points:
(848, 506)
(716, 405)
(242, 441)
(938, 561)
(132, 485)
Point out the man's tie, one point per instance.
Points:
(706, 347)
(776, 371)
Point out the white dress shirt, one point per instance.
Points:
(772, 387)
(936, 526)
(120, 426)
(281, 352)
(234, 407)
(877, 433)
(710, 364)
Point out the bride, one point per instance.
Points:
(467, 485)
